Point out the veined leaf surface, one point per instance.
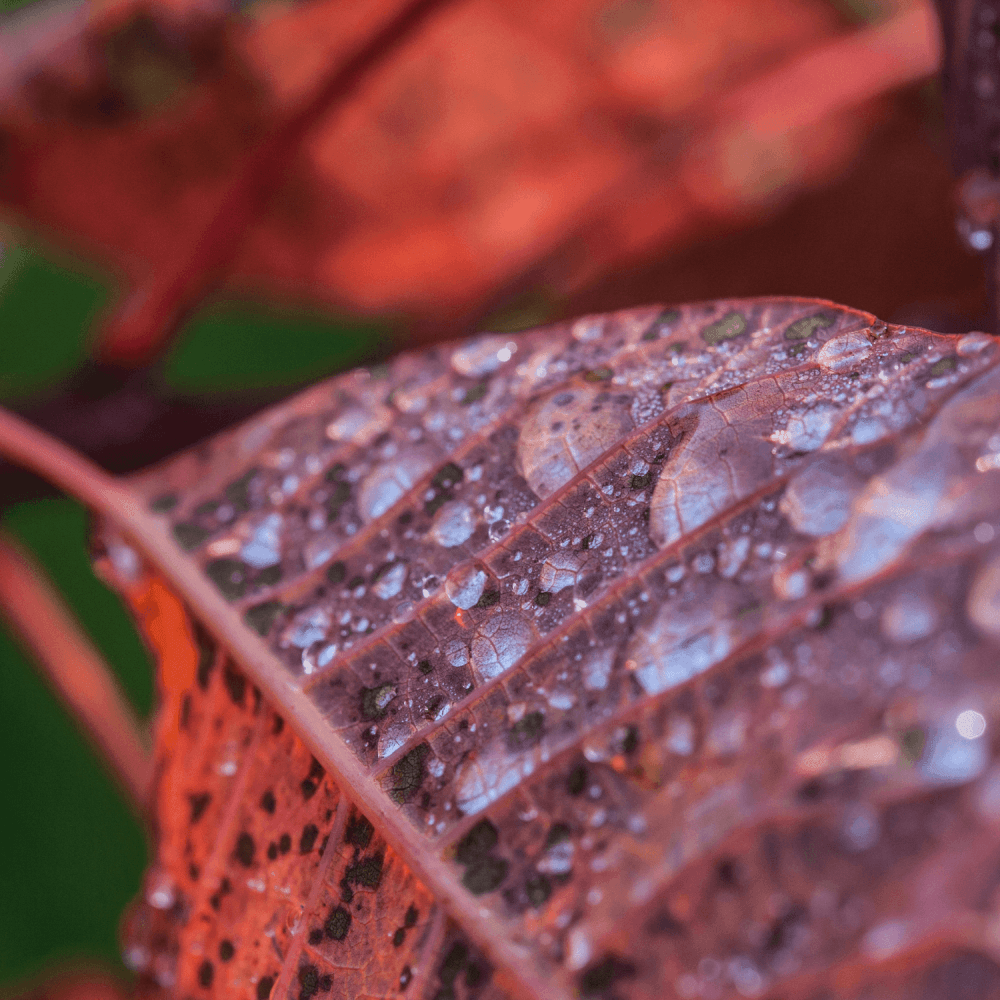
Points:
(651, 654)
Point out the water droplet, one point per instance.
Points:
(559, 571)
(970, 724)
(808, 430)
(360, 424)
(861, 827)
(389, 482)
(453, 524)
(264, 547)
(983, 603)
(160, 891)
(464, 585)
(952, 759)
(480, 356)
(911, 616)
(456, 653)
(843, 353)
(973, 343)
(390, 583)
(983, 533)
(499, 643)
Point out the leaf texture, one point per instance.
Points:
(651, 654)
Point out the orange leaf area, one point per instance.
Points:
(428, 158)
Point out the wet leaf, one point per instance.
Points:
(743, 746)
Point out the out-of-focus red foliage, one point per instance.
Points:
(429, 159)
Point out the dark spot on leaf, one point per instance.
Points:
(641, 482)
(488, 599)
(944, 365)
(244, 850)
(810, 791)
(601, 374)
(226, 950)
(424, 666)
(727, 872)
(453, 964)
(473, 975)
(577, 780)
(448, 475)
(308, 788)
(338, 923)
(346, 892)
(803, 329)
(190, 535)
(538, 889)
(601, 977)
(411, 917)
(335, 472)
(355, 582)
(194, 871)
(476, 393)
(205, 973)
(336, 573)
(316, 936)
(264, 987)
(405, 976)
(325, 983)
(279, 724)
(399, 937)
(728, 328)
(236, 684)
(407, 774)
(908, 356)
(308, 839)
(199, 803)
(542, 598)
(229, 575)
(163, 503)
(261, 616)
(366, 872)
(359, 832)
(526, 731)
(238, 491)
(375, 701)
(285, 843)
(485, 875)
(206, 509)
(340, 495)
(630, 742)
(272, 851)
(668, 317)
(557, 834)
(268, 802)
(663, 922)
(477, 843)
(309, 981)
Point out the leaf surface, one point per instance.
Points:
(643, 655)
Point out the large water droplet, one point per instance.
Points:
(499, 643)
(817, 501)
(911, 616)
(360, 424)
(390, 583)
(559, 571)
(389, 482)
(453, 524)
(841, 354)
(480, 356)
(464, 586)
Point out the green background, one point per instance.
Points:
(71, 855)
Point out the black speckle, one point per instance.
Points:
(630, 743)
(407, 774)
(359, 832)
(261, 616)
(279, 725)
(424, 666)
(640, 482)
(189, 535)
(308, 787)
(308, 839)
(538, 889)
(309, 981)
(268, 577)
(316, 936)
(244, 850)
(355, 582)
(542, 598)
(226, 950)
(325, 983)
(272, 851)
(236, 684)
(194, 871)
(346, 892)
(199, 803)
(163, 503)
(268, 802)
(405, 976)
(448, 475)
(664, 922)
(336, 573)
(600, 977)
(399, 937)
(206, 971)
(485, 875)
(285, 843)
(375, 701)
(366, 872)
(726, 872)
(264, 987)
(477, 843)
(337, 924)
(229, 575)
(412, 915)
(526, 731)
(474, 975)
(577, 780)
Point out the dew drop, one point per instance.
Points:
(464, 585)
(845, 352)
(453, 524)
